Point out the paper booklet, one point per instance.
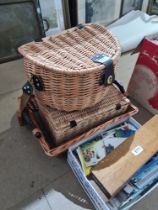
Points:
(93, 151)
(147, 173)
(143, 180)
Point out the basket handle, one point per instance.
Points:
(120, 87)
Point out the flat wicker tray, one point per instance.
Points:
(71, 79)
(41, 131)
(57, 150)
(66, 125)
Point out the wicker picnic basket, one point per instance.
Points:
(67, 78)
(66, 125)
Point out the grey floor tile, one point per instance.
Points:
(143, 115)
(126, 66)
(8, 104)
(37, 201)
(59, 201)
(150, 202)
(24, 167)
(12, 76)
(39, 204)
(66, 191)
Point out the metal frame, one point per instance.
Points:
(122, 5)
(150, 7)
(60, 15)
(37, 9)
(81, 9)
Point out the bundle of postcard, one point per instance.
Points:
(93, 151)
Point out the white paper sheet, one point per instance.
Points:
(132, 28)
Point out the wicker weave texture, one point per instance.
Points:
(71, 79)
(59, 122)
(132, 110)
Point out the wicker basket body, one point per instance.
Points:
(71, 79)
(67, 125)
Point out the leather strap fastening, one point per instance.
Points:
(108, 76)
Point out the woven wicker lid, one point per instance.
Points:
(72, 49)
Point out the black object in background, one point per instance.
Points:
(73, 12)
(129, 5)
(21, 22)
(153, 7)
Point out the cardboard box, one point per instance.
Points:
(143, 85)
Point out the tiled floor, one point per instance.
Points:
(29, 180)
